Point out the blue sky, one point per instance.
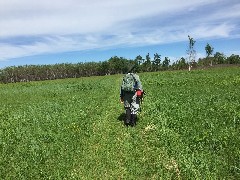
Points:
(50, 32)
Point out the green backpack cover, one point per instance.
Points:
(129, 83)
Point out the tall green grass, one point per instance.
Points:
(71, 129)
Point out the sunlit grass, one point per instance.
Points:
(72, 128)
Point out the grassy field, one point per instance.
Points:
(189, 128)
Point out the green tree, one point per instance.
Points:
(219, 58)
(156, 62)
(233, 59)
(138, 62)
(209, 51)
(180, 64)
(139, 59)
(165, 63)
(147, 65)
(117, 65)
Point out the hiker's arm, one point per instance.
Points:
(140, 85)
(121, 95)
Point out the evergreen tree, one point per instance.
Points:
(157, 62)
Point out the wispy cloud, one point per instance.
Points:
(32, 28)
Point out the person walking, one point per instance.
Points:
(131, 93)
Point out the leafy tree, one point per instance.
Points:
(104, 68)
(117, 65)
(138, 62)
(180, 64)
(165, 63)
(183, 63)
(156, 62)
(139, 59)
(147, 65)
(233, 59)
(219, 58)
(209, 51)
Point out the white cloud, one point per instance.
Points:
(221, 30)
(88, 24)
(57, 18)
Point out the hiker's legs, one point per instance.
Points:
(128, 116)
(134, 110)
(127, 106)
(131, 105)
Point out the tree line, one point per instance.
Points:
(115, 65)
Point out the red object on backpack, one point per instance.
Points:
(139, 93)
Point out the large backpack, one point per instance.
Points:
(129, 83)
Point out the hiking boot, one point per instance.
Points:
(133, 120)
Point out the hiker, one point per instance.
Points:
(131, 93)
